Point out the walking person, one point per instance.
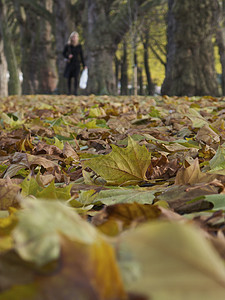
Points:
(74, 55)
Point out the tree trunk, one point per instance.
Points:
(3, 70)
(29, 44)
(117, 71)
(63, 28)
(100, 49)
(220, 39)
(150, 86)
(140, 81)
(47, 72)
(190, 66)
(135, 68)
(14, 82)
(101, 76)
(38, 56)
(124, 67)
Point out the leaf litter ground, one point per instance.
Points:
(106, 197)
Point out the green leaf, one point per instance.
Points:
(115, 196)
(217, 163)
(123, 166)
(11, 122)
(58, 143)
(30, 186)
(197, 120)
(218, 201)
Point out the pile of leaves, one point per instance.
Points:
(112, 198)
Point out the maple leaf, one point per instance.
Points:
(123, 166)
(33, 186)
(192, 175)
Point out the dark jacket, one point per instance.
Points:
(73, 65)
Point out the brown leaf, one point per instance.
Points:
(208, 136)
(192, 175)
(68, 151)
(8, 194)
(87, 272)
(83, 271)
(179, 197)
(115, 218)
(162, 168)
(43, 148)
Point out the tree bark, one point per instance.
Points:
(3, 69)
(220, 39)
(38, 56)
(14, 82)
(190, 66)
(124, 67)
(117, 71)
(63, 27)
(47, 71)
(29, 44)
(140, 81)
(150, 86)
(100, 49)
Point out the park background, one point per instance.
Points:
(179, 45)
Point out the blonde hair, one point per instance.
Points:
(70, 38)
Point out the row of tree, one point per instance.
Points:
(33, 34)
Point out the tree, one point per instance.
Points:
(63, 26)
(9, 50)
(37, 51)
(145, 41)
(47, 71)
(190, 59)
(105, 23)
(3, 69)
(124, 67)
(220, 39)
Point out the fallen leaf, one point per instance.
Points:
(8, 194)
(192, 175)
(113, 219)
(173, 261)
(123, 166)
(125, 195)
(68, 151)
(208, 135)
